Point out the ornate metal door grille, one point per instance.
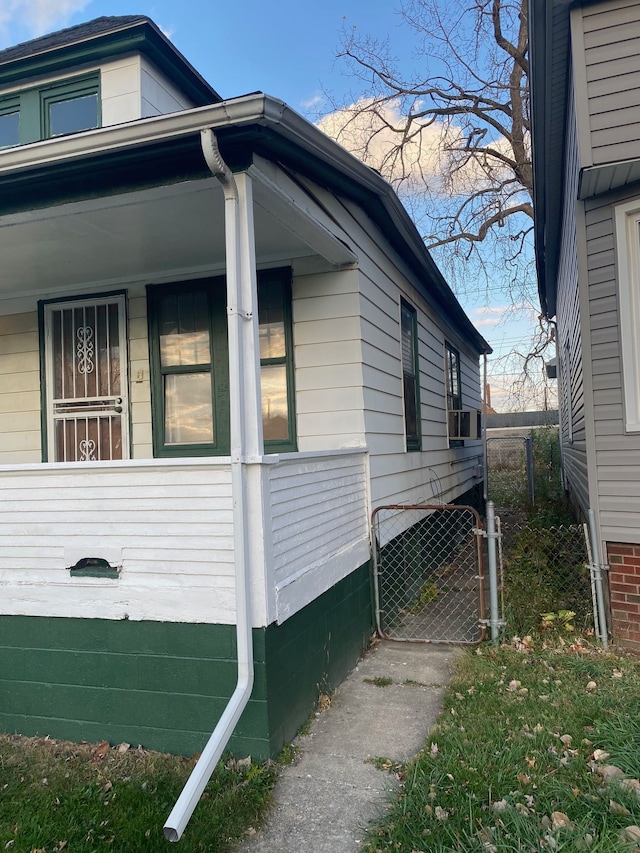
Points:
(428, 573)
(86, 380)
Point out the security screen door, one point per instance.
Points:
(86, 378)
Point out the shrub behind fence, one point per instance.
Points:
(546, 581)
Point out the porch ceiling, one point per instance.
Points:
(154, 234)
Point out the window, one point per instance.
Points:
(9, 122)
(454, 395)
(410, 375)
(65, 107)
(454, 392)
(276, 363)
(627, 219)
(189, 368)
(189, 365)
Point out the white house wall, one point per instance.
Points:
(328, 361)
(19, 389)
(319, 523)
(158, 94)
(438, 472)
(168, 526)
(120, 90)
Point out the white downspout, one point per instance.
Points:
(246, 445)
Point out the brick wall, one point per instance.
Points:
(624, 586)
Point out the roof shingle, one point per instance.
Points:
(70, 35)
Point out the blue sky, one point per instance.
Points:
(286, 48)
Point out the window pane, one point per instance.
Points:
(453, 379)
(184, 329)
(410, 408)
(73, 115)
(408, 347)
(9, 129)
(275, 420)
(188, 410)
(271, 323)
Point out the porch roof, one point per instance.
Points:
(164, 152)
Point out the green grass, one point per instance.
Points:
(510, 764)
(59, 796)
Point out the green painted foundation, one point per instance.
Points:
(164, 685)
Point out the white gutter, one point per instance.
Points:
(246, 444)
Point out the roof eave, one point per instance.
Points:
(284, 131)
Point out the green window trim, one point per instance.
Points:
(34, 108)
(274, 292)
(410, 376)
(274, 286)
(211, 361)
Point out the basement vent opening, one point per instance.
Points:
(94, 567)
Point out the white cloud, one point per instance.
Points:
(373, 136)
(416, 153)
(313, 101)
(32, 18)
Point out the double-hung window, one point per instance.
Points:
(410, 375)
(189, 369)
(190, 372)
(53, 109)
(454, 395)
(453, 385)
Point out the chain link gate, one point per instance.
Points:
(428, 576)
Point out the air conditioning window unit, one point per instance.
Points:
(464, 423)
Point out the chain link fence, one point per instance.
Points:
(428, 573)
(546, 576)
(544, 560)
(510, 481)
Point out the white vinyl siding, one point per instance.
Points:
(320, 525)
(19, 389)
(169, 527)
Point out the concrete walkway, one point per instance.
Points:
(326, 798)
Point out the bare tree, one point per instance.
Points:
(449, 127)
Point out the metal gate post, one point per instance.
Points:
(494, 621)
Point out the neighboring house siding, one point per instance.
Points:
(571, 391)
(19, 389)
(611, 34)
(617, 453)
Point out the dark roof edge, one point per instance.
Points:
(86, 44)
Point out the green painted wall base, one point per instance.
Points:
(164, 685)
